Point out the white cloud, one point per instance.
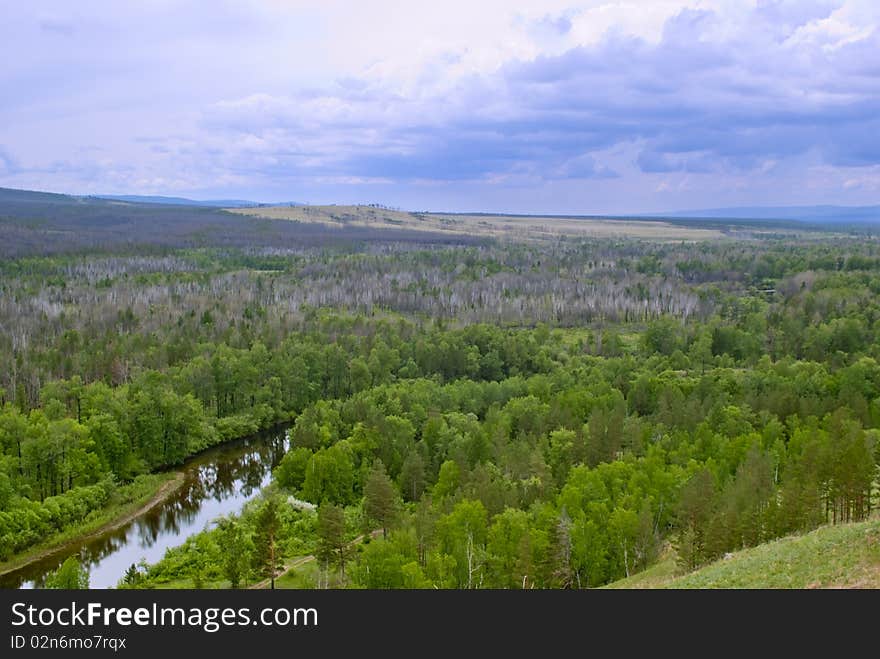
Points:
(551, 97)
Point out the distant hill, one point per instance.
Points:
(30, 196)
(823, 214)
(842, 556)
(44, 223)
(13, 196)
(179, 201)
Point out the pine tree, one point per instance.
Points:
(425, 521)
(132, 577)
(331, 536)
(695, 510)
(380, 502)
(266, 559)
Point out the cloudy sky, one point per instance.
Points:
(496, 105)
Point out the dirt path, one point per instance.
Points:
(158, 497)
(302, 560)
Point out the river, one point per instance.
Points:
(216, 482)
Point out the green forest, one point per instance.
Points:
(553, 413)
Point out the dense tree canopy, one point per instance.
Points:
(508, 415)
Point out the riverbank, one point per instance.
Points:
(127, 502)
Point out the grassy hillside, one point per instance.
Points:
(844, 556)
(485, 225)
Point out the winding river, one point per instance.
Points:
(216, 482)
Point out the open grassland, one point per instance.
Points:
(843, 556)
(490, 226)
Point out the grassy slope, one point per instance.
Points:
(490, 226)
(844, 556)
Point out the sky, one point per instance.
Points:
(463, 105)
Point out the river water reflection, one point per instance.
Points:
(217, 482)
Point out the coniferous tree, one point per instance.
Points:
(267, 560)
(332, 548)
(695, 509)
(380, 504)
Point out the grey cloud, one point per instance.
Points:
(56, 25)
(697, 103)
(706, 99)
(585, 167)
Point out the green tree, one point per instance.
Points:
(267, 559)
(291, 472)
(70, 576)
(359, 374)
(132, 577)
(447, 480)
(695, 509)
(380, 499)
(425, 524)
(462, 535)
(508, 550)
(234, 550)
(330, 476)
(332, 547)
(412, 476)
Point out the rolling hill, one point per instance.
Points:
(48, 223)
(178, 201)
